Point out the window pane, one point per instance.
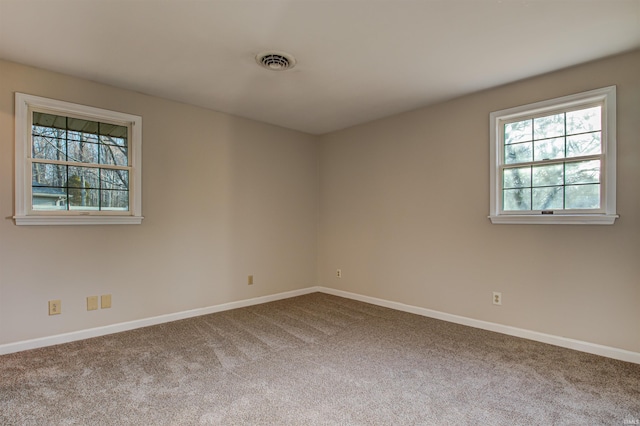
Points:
(550, 175)
(582, 172)
(584, 120)
(115, 131)
(115, 200)
(518, 153)
(517, 199)
(84, 199)
(585, 144)
(519, 177)
(547, 127)
(113, 154)
(549, 198)
(47, 188)
(48, 198)
(115, 136)
(83, 126)
(548, 149)
(41, 119)
(83, 152)
(48, 132)
(520, 131)
(83, 177)
(114, 179)
(43, 174)
(79, 140)
(582, 196)
(49, 148)
(82, 137)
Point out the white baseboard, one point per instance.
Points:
(564, 342)
(145, 322)
(578, 345)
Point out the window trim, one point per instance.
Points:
(24, 214)
(607, 213)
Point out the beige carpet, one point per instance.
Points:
(314, 360)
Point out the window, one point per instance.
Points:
(554, 161)
(76, 165)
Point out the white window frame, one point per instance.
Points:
(606, 215)
(25, 105)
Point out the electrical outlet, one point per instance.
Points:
(55, 307)
(338, 273)
(497, 298)
(250, 280)
(92, 303)
(105, 301)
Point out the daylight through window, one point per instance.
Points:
(78, 164)
(75, 164)
(555, 158)
(553, 162)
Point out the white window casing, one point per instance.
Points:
(605, 212)
(25, 213)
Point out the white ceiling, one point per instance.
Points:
(358, 60)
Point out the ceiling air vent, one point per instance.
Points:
(276, 61)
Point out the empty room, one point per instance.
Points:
(319, 212)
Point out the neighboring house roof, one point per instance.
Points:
(40, 190)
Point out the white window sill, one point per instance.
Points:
(566, 219)
(78, 220)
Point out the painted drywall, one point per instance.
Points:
(223, 197)
(403, 213)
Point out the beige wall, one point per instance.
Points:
(223, 197)
(403, 212)
(403, 205)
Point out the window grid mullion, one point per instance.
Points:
(79, 164)
(99, 170)
(564, 165)
(564, 183)
(554, 161)
(66, 157)
(533, 150)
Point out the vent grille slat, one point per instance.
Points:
(276, 61)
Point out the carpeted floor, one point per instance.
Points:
(314, 360)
